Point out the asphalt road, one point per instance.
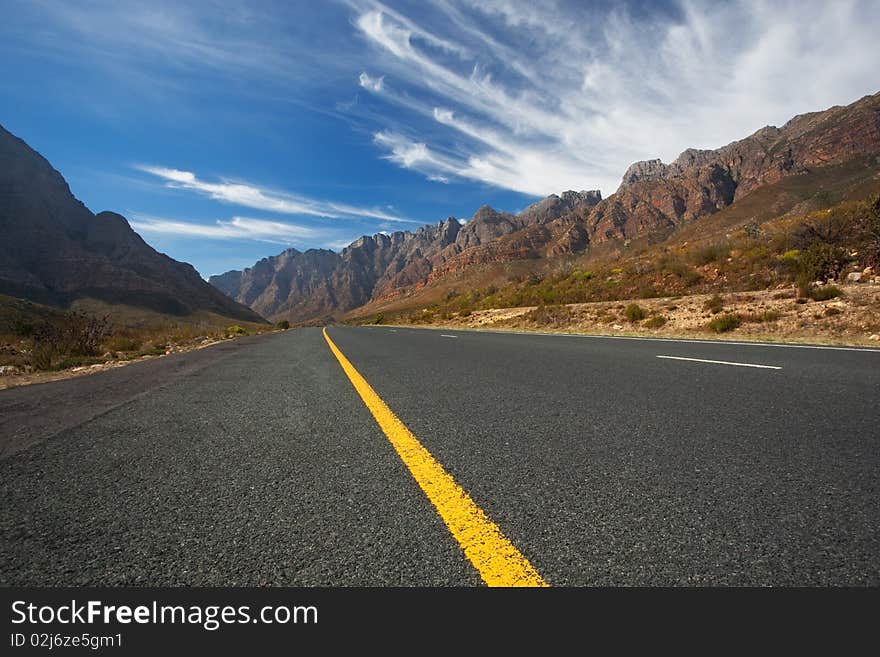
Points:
(602, 462)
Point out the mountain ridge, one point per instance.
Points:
(374, 266)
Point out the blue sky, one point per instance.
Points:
(228, 131)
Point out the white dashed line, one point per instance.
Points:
(722, 362)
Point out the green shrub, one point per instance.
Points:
(714, 304)
(676, 266)
(710, 254)
(870, 228)
(788, 264)
(819, 262)
(235, 329)
(830, 227)
(725, 323)
(555, 316)
(824, 293)
(379, 318)
(759, 318)
(655, 322)
(635, 313)
(151, 350)
(283, 325)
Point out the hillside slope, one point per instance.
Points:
(56, 251)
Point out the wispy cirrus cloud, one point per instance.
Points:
(222, 39)
(543, 95)
(375, 85)
(261, 198)
(244, 229)
(226, 229)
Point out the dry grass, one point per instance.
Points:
(35, 338)
(767, 315)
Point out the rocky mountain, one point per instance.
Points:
(701, 182)
(317, 284)
(653, 198)
(55, 250)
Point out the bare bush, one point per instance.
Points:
(74, 335)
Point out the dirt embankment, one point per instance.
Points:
(853, 318)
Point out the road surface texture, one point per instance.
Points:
(603, 461)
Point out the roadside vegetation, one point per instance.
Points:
(38, 338)
(554, 316)
(725, 323)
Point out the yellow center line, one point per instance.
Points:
(488, 549)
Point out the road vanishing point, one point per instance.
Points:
(415, 457)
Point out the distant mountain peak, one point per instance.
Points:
(644, 170)
(592, 196)
(485, 213)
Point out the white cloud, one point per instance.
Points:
(540, 96)
(416, 155)
(252, 196)
(501, 166)
(231, 229)
(243, 228)
(372, 84)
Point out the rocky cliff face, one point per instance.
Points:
(653, 196)
(54, 250)
(700, 182)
